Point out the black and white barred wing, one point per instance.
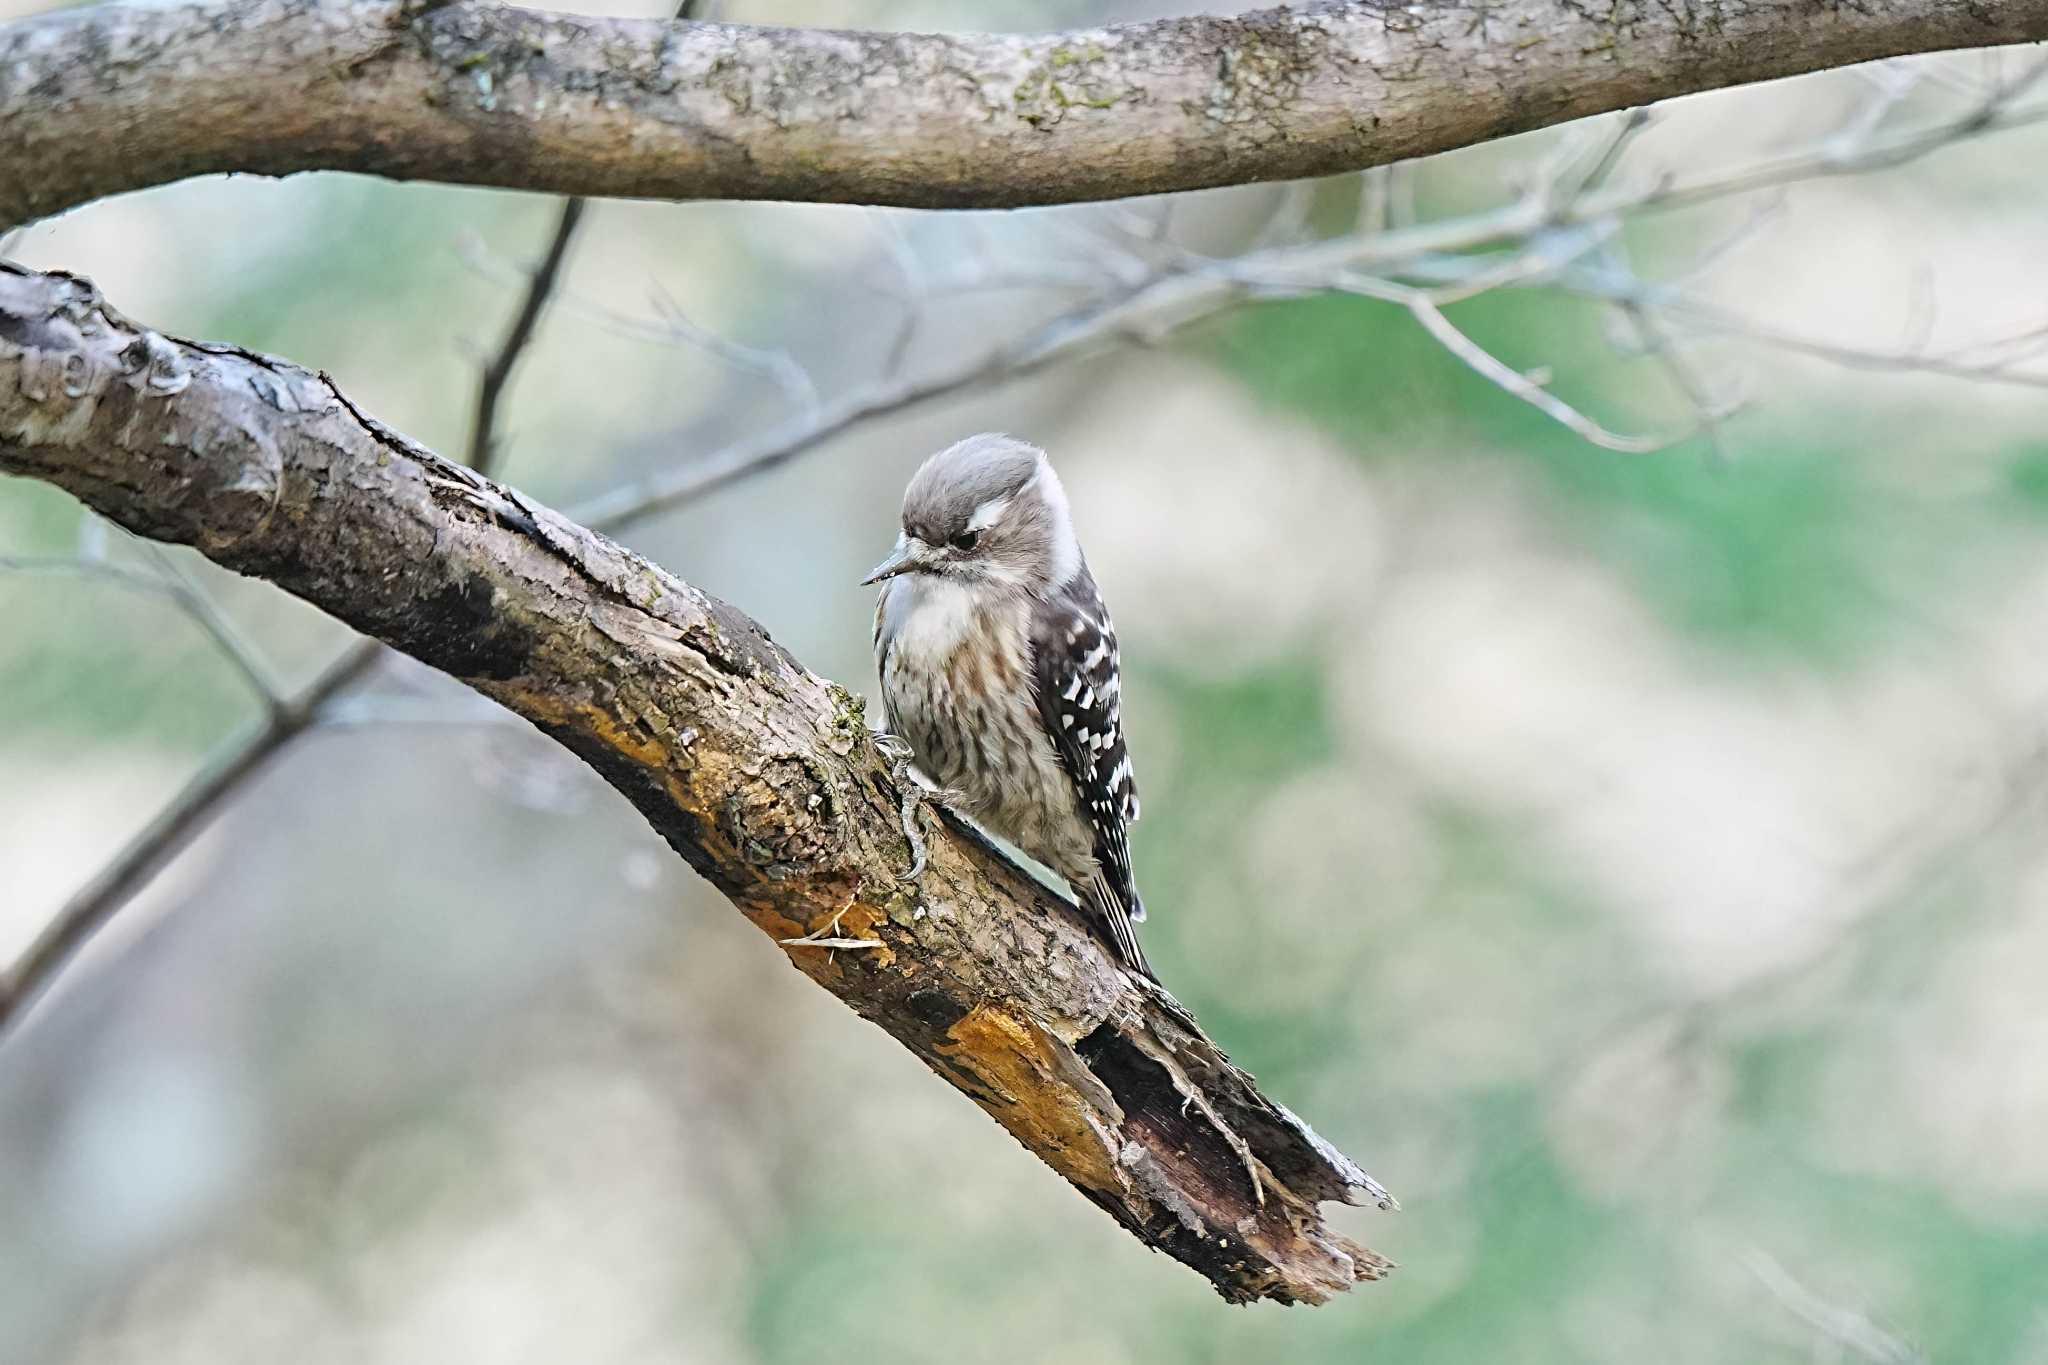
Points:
(1078, 688)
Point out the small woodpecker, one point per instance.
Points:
(999, 671)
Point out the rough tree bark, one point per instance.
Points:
(760, 774)
(109, 98)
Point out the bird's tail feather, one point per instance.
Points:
(1103, 902)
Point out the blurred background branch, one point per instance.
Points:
(1560, 233)
(175, 826)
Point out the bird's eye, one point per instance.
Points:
(966, 540)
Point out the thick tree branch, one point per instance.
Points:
(760, 774)
(110, 98)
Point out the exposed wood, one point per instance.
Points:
(760, 774)
(108, 98)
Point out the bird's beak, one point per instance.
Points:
(905, 558)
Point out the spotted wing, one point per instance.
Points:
(1078, 689)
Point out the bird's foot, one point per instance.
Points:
(911, 794)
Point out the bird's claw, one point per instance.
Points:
(913, 797)
(911, 794)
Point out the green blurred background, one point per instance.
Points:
(1635, 861)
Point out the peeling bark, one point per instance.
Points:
(760, 774)
(109, 98)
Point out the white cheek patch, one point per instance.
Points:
(989, 513)
(1003, 575)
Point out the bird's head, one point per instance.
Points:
(988, 511)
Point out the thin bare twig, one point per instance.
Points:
(672, 326)
(1519, 385)
(87, 568)
(1843, 1327)
(1960, 364)
(185, 594)
(1632, 123)
(225, 634)
(633, 502)
(777, 365)
(88, 911)
(490, 393)
(1994, 113)
(830, 938)
(1659, 345)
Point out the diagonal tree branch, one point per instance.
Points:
(760, 774)
(109, 98)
